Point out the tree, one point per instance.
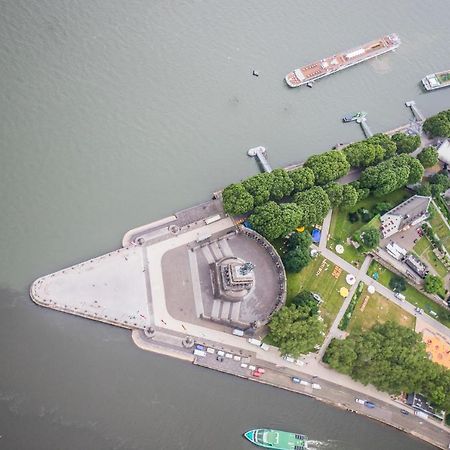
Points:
(298, 240)
(393, 358)
(370, 238)
(364, 153)
(405, 143)
(266, 219)
(236, 200)
(302, 178)
(294, 330)
(291, 217)
(424, 189)
(305, 298)
(397, 284)
(259, 186)
(416, 171)
(438, 125)
(282, 185)
(350, 196)
(390, 149)
(433, 284)
(428, 157)
(295, 260)
(314, 204)
(334, 192)
(440, 182)
(328, 166)
(382, 207)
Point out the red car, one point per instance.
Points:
(256, 374)
(261, 370)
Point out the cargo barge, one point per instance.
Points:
(436, 80)
(312, 72)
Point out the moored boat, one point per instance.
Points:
(355, 116)
(310, 73)
(436, 80)
(277, 439)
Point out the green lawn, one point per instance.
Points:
(341, 228)
(440, 228)
(372, 309)
(324, 284)
(412, 295)
(424, 251)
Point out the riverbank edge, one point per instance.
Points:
(168, 352)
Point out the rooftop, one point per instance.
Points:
(408, 213)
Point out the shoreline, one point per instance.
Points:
(191, 222)
(164, 351)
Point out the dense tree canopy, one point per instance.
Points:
(259, 186)
(433, 284)
(438, 125)
(291, 217)
(350, 196)
(298, 254)
(440, 182)
(294, 330)
(273, 220)
(391, 174)
(390, 149)
(392, 358)
(406, 143)
(370, 238)
(428, 157)
(296, 239)
(282, 185)
(397, 284)
(335, 193)
(302, 178)
(236, 200)
(314, 204)
(266, 219)
(364, 154)
(305, 298)
(328, 166)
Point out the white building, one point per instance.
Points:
(411, 212)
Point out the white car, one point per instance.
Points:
(360, 401)
(289, 359)
(316, 386)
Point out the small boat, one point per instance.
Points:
(276, 439)
(354, 117)
(436, 80)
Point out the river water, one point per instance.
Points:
(113, 114)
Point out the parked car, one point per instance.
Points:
(316, 386)
(200, 347)
(256, 374)
(404, 412)
(369, 404)
(295, 380)
(261, 370)
(289, 358)
(358, 400)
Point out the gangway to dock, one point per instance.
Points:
(260, 154)
(415, 110)
(366, 129)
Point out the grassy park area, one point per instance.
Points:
(341, 228)
(439, 227)
(372, 309)
(412, 295)
(317, 277)
(424, 250)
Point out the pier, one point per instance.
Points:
(260, 154)
(415, 110)
(366, 129)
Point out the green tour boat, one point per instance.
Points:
(276, 439)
